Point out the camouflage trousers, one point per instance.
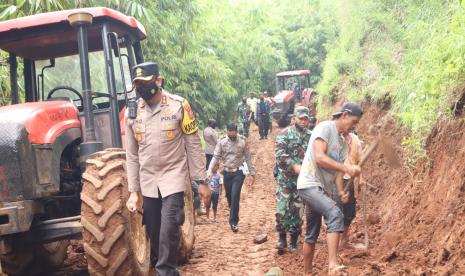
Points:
(289, 209)
(244, 128)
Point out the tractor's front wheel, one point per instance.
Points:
(114, 239)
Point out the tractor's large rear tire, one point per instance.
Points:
(187, 238)
(114, 240)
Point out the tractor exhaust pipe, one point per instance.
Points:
(90, 144)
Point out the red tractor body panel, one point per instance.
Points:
(44, 121)
(51, 18)
(284, 96)
(296, 73)
(17, 35)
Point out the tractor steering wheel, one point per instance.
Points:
(69, 88)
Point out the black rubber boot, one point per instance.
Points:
(293, 244)
(282, 243)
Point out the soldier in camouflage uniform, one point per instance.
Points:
(291, 145)
(243, 111)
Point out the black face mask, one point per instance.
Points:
(147, 92)
(244, 101)
(232, 138)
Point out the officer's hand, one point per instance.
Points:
(209, 174)
(205, 194)
(296, 168)
(253, 180)
(132, 202)
(344, 196)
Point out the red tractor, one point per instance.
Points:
(62, 162)
(292, 88)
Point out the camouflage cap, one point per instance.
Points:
(301, 111)
(145, 71)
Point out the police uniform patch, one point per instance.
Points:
(169, 134)
(169, 125)
(189, 123)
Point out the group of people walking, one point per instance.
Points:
(315, 168)
(255, 110)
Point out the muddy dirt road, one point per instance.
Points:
(219, 251)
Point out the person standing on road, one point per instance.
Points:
(243, 115)
(291, 145)
(252, 101)
(210, 136)
(234, 151)
(263, 113)
(271, 103)
(216, 185)
(322, 170)
(163, 153)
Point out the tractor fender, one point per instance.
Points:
(44, 121)
(51, 120)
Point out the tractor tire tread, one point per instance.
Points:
(106, 234)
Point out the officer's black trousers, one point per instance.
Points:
(162, 217)
(232, 185)
(263, 124)
(209, 158)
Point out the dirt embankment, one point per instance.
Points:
(421, 209)
(420, 227)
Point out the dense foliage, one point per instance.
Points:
(406, 53)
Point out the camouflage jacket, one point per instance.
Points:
(243, 109)
(291, 145)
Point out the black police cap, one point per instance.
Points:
(145, 71)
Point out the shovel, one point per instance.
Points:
(393, 160)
